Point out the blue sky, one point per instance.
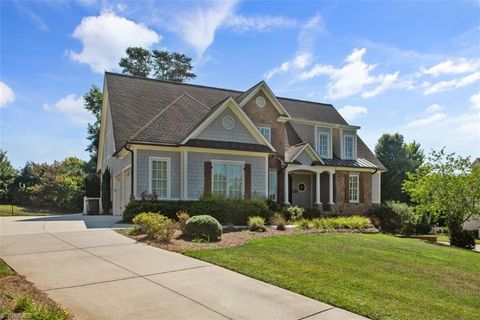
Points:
(408, 67)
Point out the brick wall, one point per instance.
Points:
(342, 206)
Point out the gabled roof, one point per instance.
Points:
(292, 153)
(247, 95)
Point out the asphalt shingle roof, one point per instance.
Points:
(165, 112)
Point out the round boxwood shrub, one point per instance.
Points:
(204, 227)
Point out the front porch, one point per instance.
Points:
(309, 186)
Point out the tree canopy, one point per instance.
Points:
(399, 158)
(7, 175)
(447, 186)
(160, 64)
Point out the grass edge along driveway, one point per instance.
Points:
(378, 276)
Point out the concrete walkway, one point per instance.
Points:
(98, 274)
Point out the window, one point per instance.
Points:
(260, 102)
(353, 188)
(301, 187)
(272, 185)
(160, 177)
(266, 132)
(227, 179)
(323, 144)
(348, 145)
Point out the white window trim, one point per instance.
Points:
(358, 187)
(169, 173)
(354, 146)
(242, 163)
(330, 141)
(269, 130)
(276, 184)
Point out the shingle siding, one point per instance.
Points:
(216, 131)
(143, 167)
(196, 162)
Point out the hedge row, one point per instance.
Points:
(226, 211)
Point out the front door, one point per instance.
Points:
(302, 190)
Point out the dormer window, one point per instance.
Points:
(348, 146)
(266, 132)
(323, 142)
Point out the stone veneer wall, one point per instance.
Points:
(346, 208)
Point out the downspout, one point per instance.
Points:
(132, 162)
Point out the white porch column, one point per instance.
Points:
(330, 187)
(285, 188)
(317, 189)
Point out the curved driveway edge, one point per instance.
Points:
(98, 274)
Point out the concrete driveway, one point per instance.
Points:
(98, 274)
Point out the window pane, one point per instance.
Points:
(219, 179)
(266, 132)
(322, 144)
(235, 180)
(272, 185)
(348, 146)
(353, 188)
(160, 178)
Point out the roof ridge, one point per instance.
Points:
(156, 116)
(201, 103)
(172, 82)
(212, 87)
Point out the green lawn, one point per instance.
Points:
(6, 210)
(4, 269)
(378, 276)
(444, 238)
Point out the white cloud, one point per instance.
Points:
(298, 62)
(303, 57)
(241, 23)
(198, 24)
(352, 112)
(426, 121)
(475, 101)
(347, 80)
(71, 107)
(106, 37)
(386, 82)
(446, 85)
(6, 94)
(434, 108)
(449, 66)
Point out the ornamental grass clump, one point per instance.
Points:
(304, 224)
(182, 217)
(256, 223)
(155, 226)
(353, 223)
(280, 221)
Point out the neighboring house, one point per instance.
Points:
(181, 141)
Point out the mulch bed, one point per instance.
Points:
(15, 286)
(181, 243)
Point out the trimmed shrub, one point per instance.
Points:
(395, 217)
(204, 227)
(279, 220)
(256, 223)
(182, 217)
(294, 213)
(227, 211)
(464, 239)
(155, 226)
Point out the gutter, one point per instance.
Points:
(132, 161)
